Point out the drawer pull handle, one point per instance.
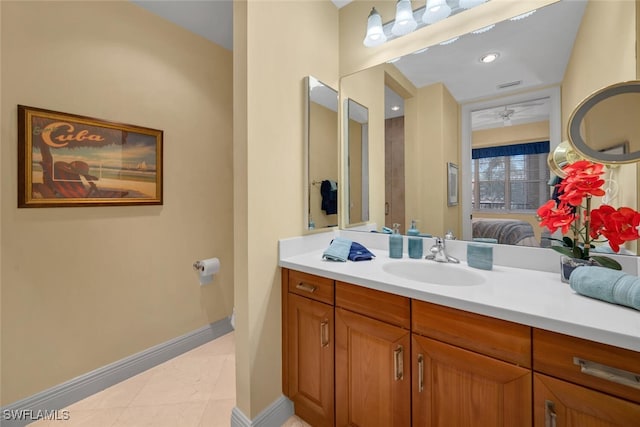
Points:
(420, 373)
(608, 373)
(549, 414)
(324, 333)
(397, 363)
(306, 287)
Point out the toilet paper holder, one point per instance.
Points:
(198, 266)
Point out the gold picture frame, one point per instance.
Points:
(71, 160)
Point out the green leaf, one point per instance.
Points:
(563, 250)
(568, 242)
(577, 252)
(607, 262)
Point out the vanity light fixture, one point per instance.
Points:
(375, 34)
(468, 4)
(408, 20)
(523, 15)
(489, 57)
(435, 11)
(446, 42)
(405, 22)
(483, 29)
(419, 51)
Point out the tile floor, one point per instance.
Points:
(195, 389)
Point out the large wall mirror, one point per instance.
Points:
(321, 148)
(453, 99)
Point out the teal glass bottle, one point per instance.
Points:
(415, 242)
(395, 242)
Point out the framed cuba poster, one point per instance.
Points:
(71, 160)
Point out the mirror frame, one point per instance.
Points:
(578, 115)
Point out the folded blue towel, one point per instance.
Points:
(359, 253)
(338, 250)
(609, 285)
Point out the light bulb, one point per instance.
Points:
(375, 34)
(404, 23)
(435, 11)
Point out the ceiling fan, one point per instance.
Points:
(505, 115)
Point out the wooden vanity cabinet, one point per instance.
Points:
(308, 346)
(373, 377)
(469, 370)
(581, 383)
(354, 356)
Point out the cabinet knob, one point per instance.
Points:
(398, 370)
(618, 376)
(420, 373)
(324, 333)
(549, 414)
(306, 287)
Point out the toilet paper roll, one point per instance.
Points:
(206, 268)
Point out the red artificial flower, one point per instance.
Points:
(555, 216)
(618, 226)
(583, 179)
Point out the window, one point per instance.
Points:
(511, 178)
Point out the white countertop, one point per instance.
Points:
(530, 297)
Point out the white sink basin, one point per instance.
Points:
(434, 272)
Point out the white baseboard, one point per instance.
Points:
(65, 394)
(275, 414)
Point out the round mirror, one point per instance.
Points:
(605, 127)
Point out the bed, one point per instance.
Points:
(505, 231)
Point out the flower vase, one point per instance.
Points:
(568, 264)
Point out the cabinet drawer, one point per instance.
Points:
(586, 362)
(311, 286)
(493, 337)
(383, 306)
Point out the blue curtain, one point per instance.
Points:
(511, 150)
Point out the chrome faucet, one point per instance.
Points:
(439, 253)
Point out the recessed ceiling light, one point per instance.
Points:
(489, 57)
(446, 42)
(522, 16)
(395, 107)
(484, 29)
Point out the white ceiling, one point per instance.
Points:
(212, 19)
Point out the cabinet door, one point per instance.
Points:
(373, 379)
(457, 387)
(311, 345)
(558, 403)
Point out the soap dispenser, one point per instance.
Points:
(395, 242)
(415, 242)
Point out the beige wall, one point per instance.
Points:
(507, 135)
(431, 141)
(84, 287)
(355, 171)
(271, 57)
(323, 159)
